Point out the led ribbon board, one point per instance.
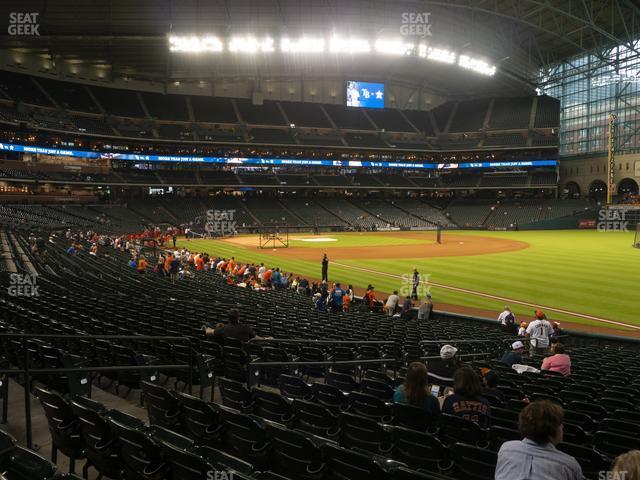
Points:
(134, 157)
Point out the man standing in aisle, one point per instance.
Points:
(415, 284)
(507, 321)
(325, 268)
(538, 333)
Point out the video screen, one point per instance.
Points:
(365, 94)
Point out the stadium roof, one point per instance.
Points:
(129, 37)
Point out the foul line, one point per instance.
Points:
(495, 297)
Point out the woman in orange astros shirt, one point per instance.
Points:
(142, 265)
(199, 263)
(167, 263)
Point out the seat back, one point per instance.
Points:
(592, 462)
(102, 445)
(363, 433)
(24, 464)
(344, 382)
(271, 405)
(314, 418)
(293, 454)
(377, 388)
(329, 396)
(293, 387)
(162, 406)
(614, 444)
(343, 464)
(184, 465)
(244, 436)
(473, 463)
(63, 424)
(455, 429)
(140, 455)
(409, 416)
(235, 395)
(369, 406)
(200, 420)
(419, 450)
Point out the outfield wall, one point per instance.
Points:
(561, 223)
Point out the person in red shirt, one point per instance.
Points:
(199, 263)
(370, 297)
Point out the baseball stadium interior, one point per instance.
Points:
(289, 240)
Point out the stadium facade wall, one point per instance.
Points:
(585, 170)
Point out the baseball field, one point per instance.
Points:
(584, 278)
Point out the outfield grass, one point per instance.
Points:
(581, 271)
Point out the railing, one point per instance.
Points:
(324, 342)
(28, 372)
(256, 365)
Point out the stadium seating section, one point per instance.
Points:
(275, 421)
(47, 103)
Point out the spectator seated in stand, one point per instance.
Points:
(490, 382)
(441, 371)
(627, 466)
(414, 390)
(536, 457)
(515, 355)
(467, 400)
(558, 362)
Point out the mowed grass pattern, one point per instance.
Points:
(584, 271)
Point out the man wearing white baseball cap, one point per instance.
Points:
(441, 370)
(515, 355)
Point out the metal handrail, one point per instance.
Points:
(324, 342)
(27, 372)
(483, 340)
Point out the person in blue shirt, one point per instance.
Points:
(337, 296)
(275, 279)
(536, 457)
(133, 263)
(467, 401)
(414, 390)
(71, 250)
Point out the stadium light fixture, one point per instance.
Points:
(477, 65)
(349, 45)
(337, 44)
(394, 47)
(251, 45)
(441, 55)
(195, 44)
(302, 45)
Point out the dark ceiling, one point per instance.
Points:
(129, 37)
